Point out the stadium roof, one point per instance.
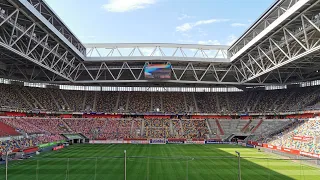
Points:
(281, 47)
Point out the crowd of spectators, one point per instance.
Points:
(75, 99)
(90, 98)
(260, 101)
(303, 135)
(24, 91)
(44, 97)
(190, 103)
(194, 128)
(123, 100)
(176, 125)
(139, 102)
(42, 130)
(32, 132)
(12, 144)
(92, 128)
(22, 125)
(10, 97)
(301, 98)
(156, 101)
(157, 128)
(268, 99)
(237, 101)
(136, 128)
(106, 101)
(27, 142)
(207, 102)
(59, 99)
(173, 102)
(223, 102)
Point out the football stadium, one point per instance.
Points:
(74, 111)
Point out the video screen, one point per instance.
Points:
(158, 71)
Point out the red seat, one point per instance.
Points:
(6, 130)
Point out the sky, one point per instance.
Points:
(211, 22)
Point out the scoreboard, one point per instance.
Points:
(157, 71)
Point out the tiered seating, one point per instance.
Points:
(266, 101)
(122, 106)
(194, 128)
(25, 93)
(52, 126)
(139, 102)
(223, 102)
(207, 102)
(92, 128)
(156, 101)
(39, 130)
(237, 101)
(10, 98)
(270, 125)
(304, 136)
(301, 98)
(157, 128)
(48, 138)
(124, 128)
(22, 125)
(17, 144)
(23, 143)
(190, 104)
(58, 98)
(75, 99)
(253, 97)
(173, 102)
(260, 101)
(110, 131)
(44, 98)
(176, 128)
(136, 128)
(6, 130)
(89, 103)
(106, 101)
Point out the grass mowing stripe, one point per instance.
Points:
(169, 162)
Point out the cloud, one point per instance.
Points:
(239, 25)
(186, 35)
(184, 27)
(210, 42)
(184, 16)
(127, 5)
(198, 23)
(202, 32)
(188, 26)
(231, 39)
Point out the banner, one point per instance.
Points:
(138, 142)
(30, 150)
(302, 138)
(57, 148)
(216, 142)
(309, 154)
(157, 141)
(175, 141)
(250, 145)
(194, 142)
(51, 144)
(291, 151)
(107, 142)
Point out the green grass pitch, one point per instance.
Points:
(155, 162)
